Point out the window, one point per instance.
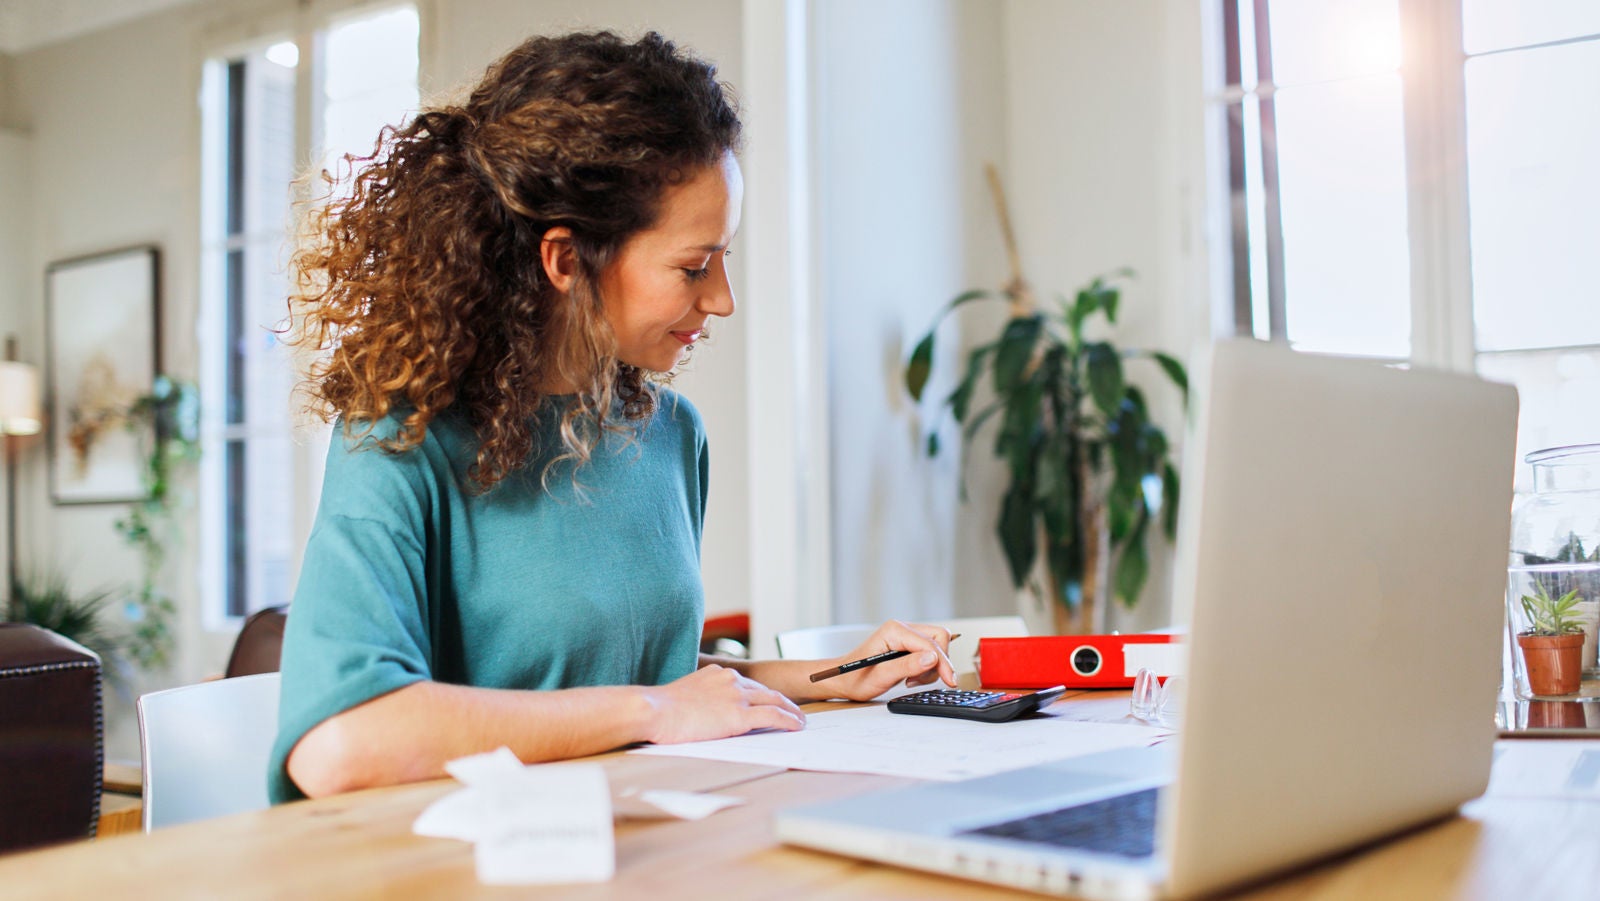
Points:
(1345, 237)
(262, 467)
(1532, 73)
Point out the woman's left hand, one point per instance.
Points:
(927, 662)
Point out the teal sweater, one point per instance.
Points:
(409, 576)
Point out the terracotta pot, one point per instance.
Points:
(1554, 662)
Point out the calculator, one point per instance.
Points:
(987, 706)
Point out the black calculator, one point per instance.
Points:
(988, 706)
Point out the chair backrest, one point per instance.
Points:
(819, 642)
(259, 645)
(206, 748)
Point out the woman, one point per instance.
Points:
(507, 547)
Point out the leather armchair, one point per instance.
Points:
(50, 738)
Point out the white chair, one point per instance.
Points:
(206, 748)
(818, 642)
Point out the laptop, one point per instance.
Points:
(1340, 570)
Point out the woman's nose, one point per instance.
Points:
(718, 299)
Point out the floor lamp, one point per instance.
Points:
(19, 415)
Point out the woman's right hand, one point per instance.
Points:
(716, 702)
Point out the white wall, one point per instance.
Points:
(910, 100)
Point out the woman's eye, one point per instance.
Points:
(695, 275)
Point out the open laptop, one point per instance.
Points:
(1341, 568)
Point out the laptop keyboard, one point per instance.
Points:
(1123, 825)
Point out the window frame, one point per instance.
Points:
(305, 27)
(1434, 103)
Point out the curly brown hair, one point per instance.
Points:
(419, 288)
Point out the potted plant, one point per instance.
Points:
(1552, 645)
(1089, 470)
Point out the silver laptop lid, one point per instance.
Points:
(1341, 565)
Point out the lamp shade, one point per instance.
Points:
(19, 399)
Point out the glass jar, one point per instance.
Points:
(1555, 562)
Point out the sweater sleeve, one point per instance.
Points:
(361, 624)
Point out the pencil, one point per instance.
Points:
(864, 662)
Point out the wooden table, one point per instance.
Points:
(361, 846)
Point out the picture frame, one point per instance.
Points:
(102, 353)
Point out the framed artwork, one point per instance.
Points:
(102, 355)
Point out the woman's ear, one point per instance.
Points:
(559, 260)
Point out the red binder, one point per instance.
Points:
(1076, 661)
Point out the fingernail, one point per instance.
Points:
(927, 658)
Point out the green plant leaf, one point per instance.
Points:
(1174, 370)
(1065, 560)
(982, 417)
(1105, 376)
(967, 297)
(1082, 307)
(1110, 295)
(919, 367)
(1122, 506)
(1133, 567)
(1020, 433)
(1057, 495)
(1015, 350)
(1017, 536)
(1135, 398)
(1152, 447)
(1169, 501)
(961, 398)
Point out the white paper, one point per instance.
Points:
(687, 805)
(1531, 768)
(873, 740)
(486, 768)
(538, 824)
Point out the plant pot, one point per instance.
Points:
(1554, 662)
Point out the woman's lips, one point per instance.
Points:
(687, 337)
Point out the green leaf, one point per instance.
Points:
(1016, 531)
(1015, 350)
(920, 366)
(961, 398)
(1021, 431)
(1066, 567)
(1174, 370)
(1057, 495)
(1109, 297)
(978, 420)
(1122, 507)
(1133, 568)
(1082, 307)
(1152, 446)
(1133, 397)
(1169, 501)
(1105, 377)
(966, 297)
